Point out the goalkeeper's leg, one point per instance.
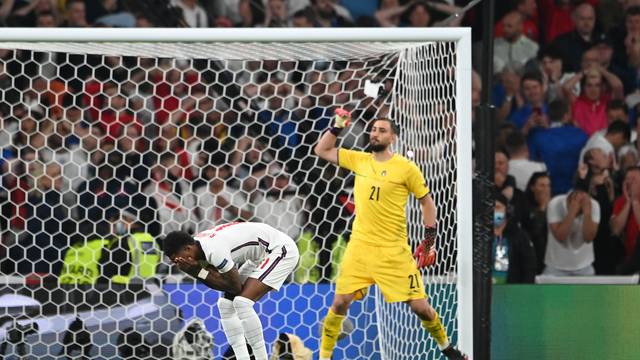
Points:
(232, 326)
(431, 322)
(333, 323)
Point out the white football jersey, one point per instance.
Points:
(228, 245)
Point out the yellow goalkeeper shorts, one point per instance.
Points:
(392, 269)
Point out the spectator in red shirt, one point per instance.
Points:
(626, 211)
(590, 108)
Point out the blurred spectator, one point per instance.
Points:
(629, 32)
(610, 13)
(176, 201)
(533, 113)
(28, 15)
(46, 19)
(218, 201)
(303, 18)
(573, 223)
(513, 46)
(617, 111)
(279, 204)
(556, 17)
(558, 146)
(528, 11)
(520, 167)
(538, 195)
(49, 225)
(595, 173)
(589, 109)
(389, 13)
(576, 42)
(277, 15)
(554, 77)
(626, 212)
(75, 14)
(330, 14)
(506, 93)
(252, 13)
(616, 136)
(514, 257)
(193, 14)
(631, 76)
(628, 157)
(506, 185)
(109, 13)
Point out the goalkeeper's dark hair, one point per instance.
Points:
(174, 241)
(394, 127)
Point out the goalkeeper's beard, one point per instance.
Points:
(375, 148)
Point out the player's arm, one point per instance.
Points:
(425, 253)
(227, 281)
(326, 148)
(428, 207)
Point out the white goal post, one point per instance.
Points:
(429, 94)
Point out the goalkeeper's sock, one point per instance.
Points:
(330, 331)
(435, 328)
(252, 326)
(233, 329)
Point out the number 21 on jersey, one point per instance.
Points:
(375, 193)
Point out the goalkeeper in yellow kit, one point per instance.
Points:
(378, 252)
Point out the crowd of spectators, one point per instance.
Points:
(190, 143)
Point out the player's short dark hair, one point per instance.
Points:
(620, 127)
(394, 127)
(174, 241)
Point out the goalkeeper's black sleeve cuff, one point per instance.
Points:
(335, 130)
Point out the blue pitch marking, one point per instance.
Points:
(296, 309)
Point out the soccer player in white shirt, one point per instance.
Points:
(246, 261)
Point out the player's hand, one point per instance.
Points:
(342, 118)
(189, 265)
(425, 253)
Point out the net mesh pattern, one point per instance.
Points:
(102, 141)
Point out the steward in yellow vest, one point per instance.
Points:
(122, 260)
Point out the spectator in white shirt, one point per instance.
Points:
(513, 46)
(193, 14)
(573, 223)
(520, 167)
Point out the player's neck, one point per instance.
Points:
(383, 155)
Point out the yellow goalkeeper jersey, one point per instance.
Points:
(381, 191)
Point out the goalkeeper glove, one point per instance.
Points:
(425, 253)
(341, 120)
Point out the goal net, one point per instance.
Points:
(109, 144)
